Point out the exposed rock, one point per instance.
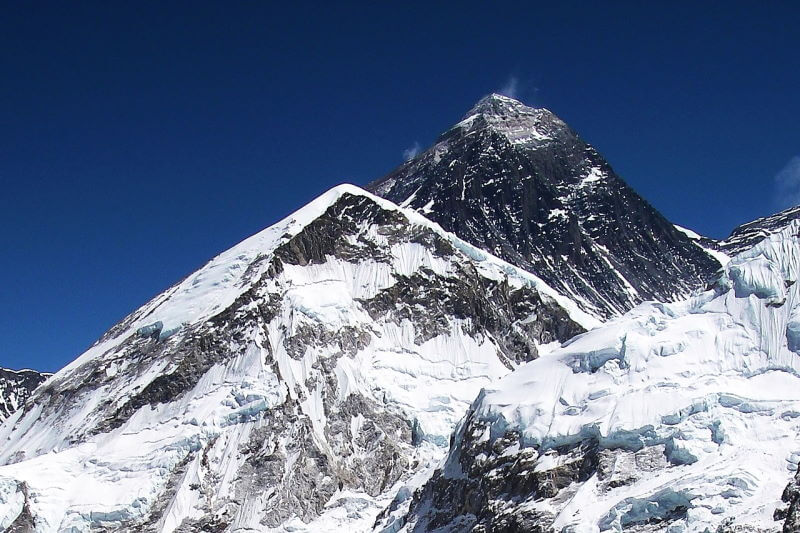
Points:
(751, 233)
(16, 386)
(791, 514)
(518, 182)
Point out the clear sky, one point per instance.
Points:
(139, 140)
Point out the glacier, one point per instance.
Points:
(680, 417)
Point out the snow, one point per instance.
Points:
(714, 379)
(119, 474)
(12, 500)
(689, 233)
(436, 380)
(519, 124)
(467, 122)
(721, 257)
(593, 176)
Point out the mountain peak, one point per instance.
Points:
(495, 104)
(519, 182)
(519, 123)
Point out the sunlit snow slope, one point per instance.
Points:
(295, 382)
(677, 417)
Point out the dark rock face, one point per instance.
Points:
(492, 307)
(748, 235)
(16, 387)
(25, 522)
(484, 483)
(481, 486)
(492, 484)
(791, 514)
(518, 182)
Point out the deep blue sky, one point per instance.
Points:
(139, 140)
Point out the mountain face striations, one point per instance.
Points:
(518, 182)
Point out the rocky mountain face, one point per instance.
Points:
(791, 513)
(518, 182)
(748, 235)
(674, 417)
(295, 383)
(15, 388)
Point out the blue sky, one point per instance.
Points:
(139, 140)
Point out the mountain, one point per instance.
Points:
(15, 387)
(440, 365)
(518, 182)
(297, 382)
(675, 417)
(749, 234)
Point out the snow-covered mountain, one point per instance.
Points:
(296, 382)
(518, 182)
(315, 377)
(679, 417)
(749, 234)
(15, 387)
